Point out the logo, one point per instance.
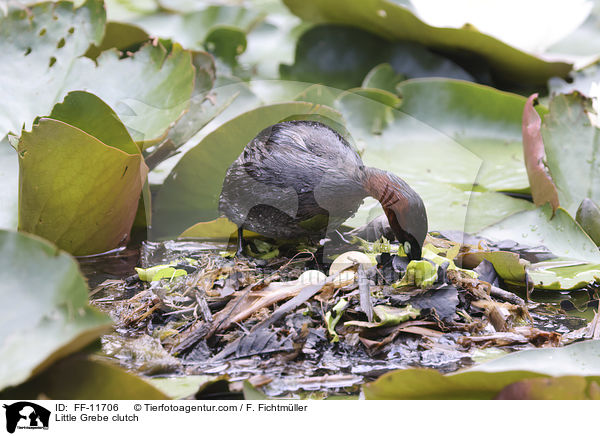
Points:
(26, 415)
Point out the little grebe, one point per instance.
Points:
(301, 178)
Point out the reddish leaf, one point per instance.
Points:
(543, 189)
(552, 388)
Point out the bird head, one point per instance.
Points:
(403, 207)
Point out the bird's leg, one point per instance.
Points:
(240, 242)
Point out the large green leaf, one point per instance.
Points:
(341, 56)
(75, 190)
(546, 275)
(82, 377)
(191, 191)
(90, 114)
(428, 384)
(49, 316)
(559, 388)
(39, 47)
(191, 28)
(121, 36)
(572, 147)
(485, 381)
(9, 194)
(456, 143)
(560, 234)
(148, 90)
(582, 358)
(395, 21)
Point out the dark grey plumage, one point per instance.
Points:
(301, 178)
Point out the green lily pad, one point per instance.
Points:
(396, 21)
(191, 191)
(383, 76)
(126, 10)
(191, 28)
(560, 234)
(202, 108)
(9, 195)
(82, 377)
(588, 217)
(560, 388)
(75, 190)
(563, 278)
(122, 36)
(49, 315)
(226, 43)
(582, 358)
(572, 146)
(341, 56)
(429, 384)
(509, 266)
(272, 41)
(89, 113)
(39, 47)
(148, 90)
(581, 81)
(454, 146)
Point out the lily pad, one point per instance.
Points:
(122, 36)
(9, 195)
(454, 146)
(581, 81)
(563, 278)
(572, 146)
(560, 388)
(588, 217)
(582, 358)
(82, 377)
(148, 90)
(560, 234)
(341, 56)
(39, 47)
(429, 384)
(191, 191)
(396, 21)
(384, 77)
(192, 27)
(89, 113)
(75, 190)
(50, 316)
(220, 228)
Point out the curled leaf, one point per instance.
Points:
(543, 189)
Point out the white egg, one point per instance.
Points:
(347, 259)
(311, 276)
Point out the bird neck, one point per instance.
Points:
(394, 194)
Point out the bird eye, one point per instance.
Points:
(407, 248)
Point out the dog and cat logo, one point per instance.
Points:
(26, 415)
